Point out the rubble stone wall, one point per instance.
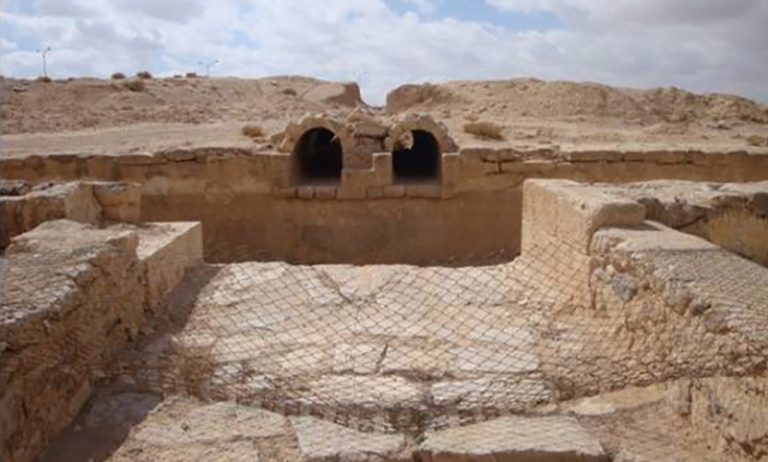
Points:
(90, 202)
(72, 297)
(663, 305)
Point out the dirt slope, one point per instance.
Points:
(537, 98)
(33, 106)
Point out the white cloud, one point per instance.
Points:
(704, 45)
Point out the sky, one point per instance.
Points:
(700, 45)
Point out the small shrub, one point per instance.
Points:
(191, 75)
(118, 76)
(135, 85)
(485, 130)
(144, 75)
(290, 92)
(44, 79)
(253, 131)
(757, 140)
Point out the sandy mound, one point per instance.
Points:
(32, 106)
(539, 99)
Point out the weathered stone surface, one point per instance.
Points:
(731, 413)
(322, 441)
(363, 392)
(571, 213)
(119, 202)
(512, 439)
(509, 394)
(167, 250)
(66, 286)
(210, 423)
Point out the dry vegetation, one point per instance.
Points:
(253, 131)
(118, 76)
(757, 140)
(144, 75)
(485, 130)
(290, 92)
(135, 85)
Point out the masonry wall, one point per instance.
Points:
(251, 208)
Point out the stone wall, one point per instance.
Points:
(72, 297)
(656, 304)
(23, 207)
(252, 206)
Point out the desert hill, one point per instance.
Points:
(138, 115)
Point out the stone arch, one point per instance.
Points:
(318, 146)
(417, 143)
(418, 159)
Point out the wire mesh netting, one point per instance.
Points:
(266, 356)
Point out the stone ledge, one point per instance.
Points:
(167, 250)
(513, 439)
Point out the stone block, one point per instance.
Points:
(119, 202)
(323, 441)
(426, 191)
(570, 213)
(512, 439)
(325, 192)
(305, 192)
(167, 250)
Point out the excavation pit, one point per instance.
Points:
(334, 291)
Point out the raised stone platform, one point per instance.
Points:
(72, 297)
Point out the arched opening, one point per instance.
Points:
(318, 156)
(419, 162)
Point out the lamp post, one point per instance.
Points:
(44, 53)
(208, 65)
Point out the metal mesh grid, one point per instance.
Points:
(412, 353)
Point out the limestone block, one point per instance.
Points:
(570, 213)
(394, 191)
(363, 391)
(507, 393)
(354, 184)
(450, 172)
(167, 250)
(73, 201)
(321, 441)
(427, 191)
(511, 439)
(71, 300)
(305, 192)
(382, 169)
(119, 202)
(369, 128)
(223, 421)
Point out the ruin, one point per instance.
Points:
(366, 286)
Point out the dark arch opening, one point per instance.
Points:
(419, 162)
(319, 156)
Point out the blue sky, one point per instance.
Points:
(481, 12)
(701, 45)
